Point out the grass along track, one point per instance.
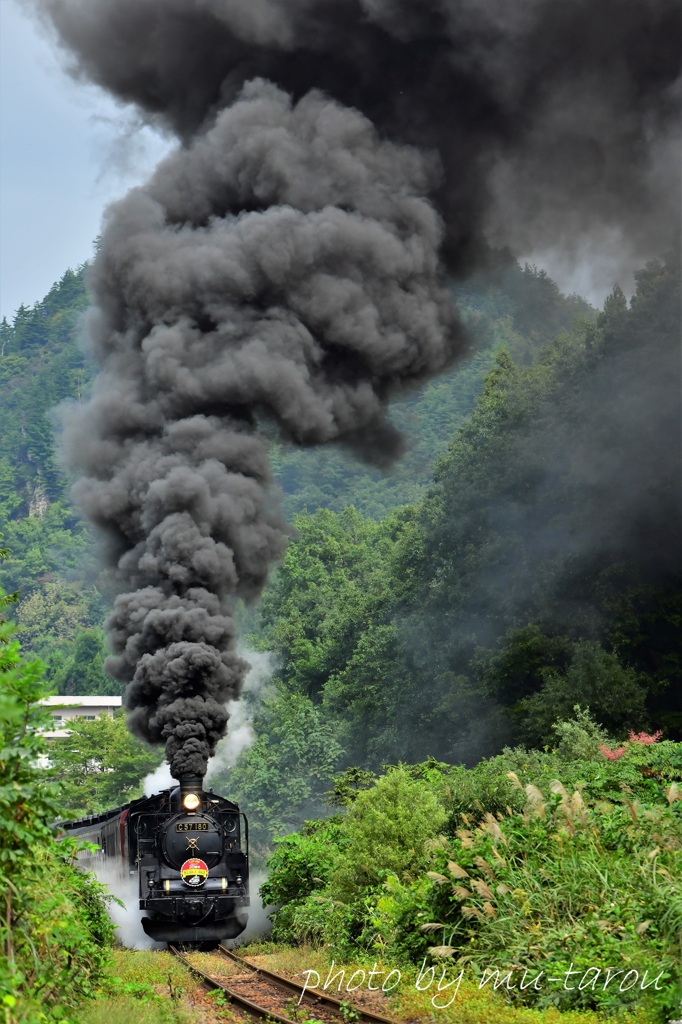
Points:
(320, 998)
(269, 996)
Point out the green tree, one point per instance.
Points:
(282, 777)
(331, 579)
(386, 828)
(80, 669)
(54, 931)
(616, 695)
(100, 764)
(52, 614)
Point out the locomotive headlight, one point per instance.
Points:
(191, 802)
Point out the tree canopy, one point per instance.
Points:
(521, 558)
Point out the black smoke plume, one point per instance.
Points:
(336, 158)
(284, 264)
(553, 119)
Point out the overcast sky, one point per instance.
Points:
(66, 150)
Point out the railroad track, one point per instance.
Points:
(266, 995)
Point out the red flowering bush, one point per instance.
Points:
(644, 737)
(612, 755)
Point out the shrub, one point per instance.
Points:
(385, 829)
(299, 869)
(580, 738)
(643, 768)
(53, 927)
(325, 878)
(534, 877)
(590, 884)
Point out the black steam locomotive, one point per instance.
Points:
(190, 851)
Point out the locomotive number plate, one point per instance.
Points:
(192, 826)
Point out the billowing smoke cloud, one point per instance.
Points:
(241, 712)
(125, 915)
(552, 118)
(308, 307)
(241, 734)
(286, 262)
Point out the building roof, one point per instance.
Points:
(83, 702)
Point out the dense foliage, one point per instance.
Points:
(531, 861)
(54, 930)
(41, 365)
(100, 765)
(53, 561)
(281, 777)
(542, 569)
(548, 566)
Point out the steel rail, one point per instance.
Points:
(235, 997)
(322, 997)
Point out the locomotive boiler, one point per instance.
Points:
(189, 850)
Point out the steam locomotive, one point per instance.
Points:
(190, 851)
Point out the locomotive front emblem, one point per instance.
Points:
(194, 872)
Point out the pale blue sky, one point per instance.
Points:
(66, 150)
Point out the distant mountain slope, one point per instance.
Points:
(42, 364)
(542, 570)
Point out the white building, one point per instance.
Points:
(65, 709)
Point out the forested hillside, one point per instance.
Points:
(40, 366)
(53, 561)
(478, 678)
(542, 570)
(539, 569)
